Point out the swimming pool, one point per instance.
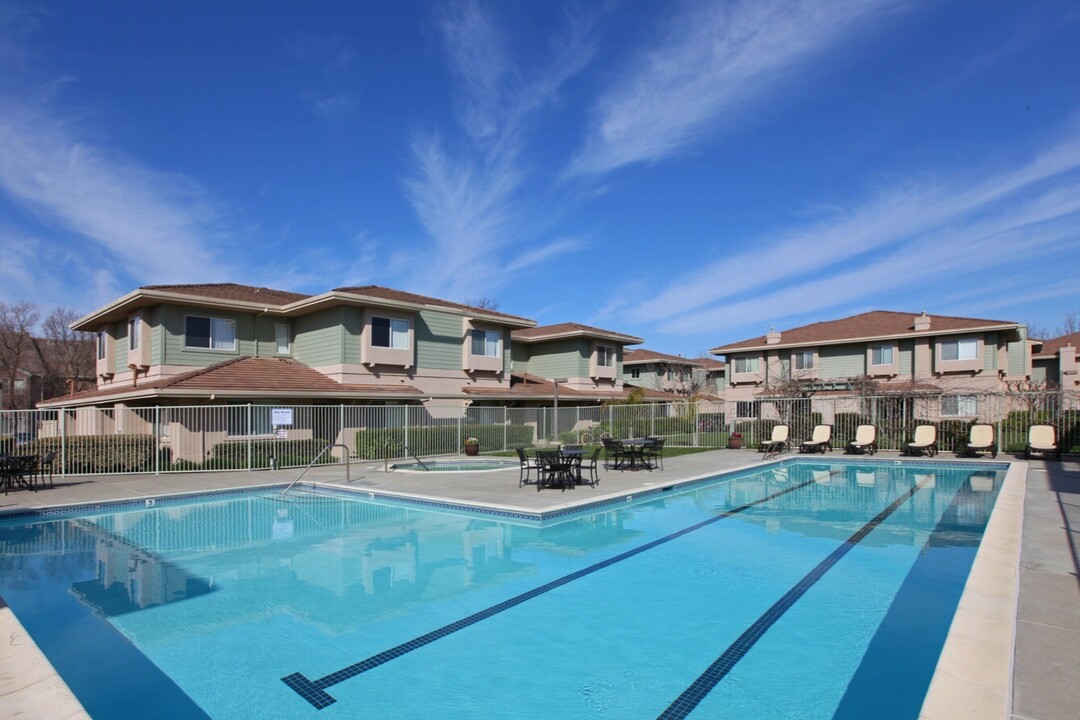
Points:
(807, 590)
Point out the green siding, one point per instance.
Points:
(841, 361)
(174, 353)
(1042, 371)
(352, 319)
(906, 363)
(157, 336)
(508, 349)
(560, 358)
(318, 338)
(120, 361)
(1018, 353)
(439, 338)
(519, 354)
(990, 351)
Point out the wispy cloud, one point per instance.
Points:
(916, 238)
(712, 62)
(138, 223)
(469, 200)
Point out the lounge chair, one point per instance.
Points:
(924, 442)
(820, 441)
(865, 440)
(981, 439)
(778, 441)
(1042, 439)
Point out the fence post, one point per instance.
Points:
(156, 432)
(506, 428)
(63, 442)
(405, 422)
(341, 431)
(652, 419)
(460, 438)
(249, 429)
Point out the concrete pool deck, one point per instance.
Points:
(1034, 643)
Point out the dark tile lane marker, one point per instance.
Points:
(689, 699)
(314, 691)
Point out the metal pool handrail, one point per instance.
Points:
(410, 453)
(315, 460)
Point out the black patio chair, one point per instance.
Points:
(554, 469)
(614, 450)
(528, 464)
(45, 465)
(592, 465)
(653, 453)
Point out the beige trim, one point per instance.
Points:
(725, 350)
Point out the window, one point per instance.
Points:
(746, 364)
(635, 373)
(881, 355)
(210, 333)
(605, 356)
(281, 338)
(486, 343)
(390, 333)
(802, 359)
(237, 421)
(959, 406)
(747, 409)
(101, 345)
(133, 332)
(960, 349)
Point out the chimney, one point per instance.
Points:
(773, 337)
(922, 322)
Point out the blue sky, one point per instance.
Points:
(689, 172)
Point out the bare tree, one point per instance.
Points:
(17, 321)
(1070, 323)
(482, 303)
(68, 355)
(686, 380)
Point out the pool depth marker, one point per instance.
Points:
(691, 696)
(314, 691)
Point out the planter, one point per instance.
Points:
(472, 449)
(734, 443)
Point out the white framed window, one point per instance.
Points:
(237, 421)
(802, 359)
(746, 364)
(390, 333)
(881, 355)
(209, 333)
(485, 343)
(959, 406)
(605, 356)
(282, 338)
(133, 332)
(964, 349)
(101, 345)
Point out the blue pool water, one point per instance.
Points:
(811, 590)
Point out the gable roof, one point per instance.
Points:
(248, 298)
(640, 356)
(240, 377)
(569, 330)
(873, 325)
(1050, 347)
(710, 363)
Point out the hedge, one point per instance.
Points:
(233, 454)
(102, 453)
(426, 439)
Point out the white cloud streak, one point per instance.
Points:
(141, 222)
(712, 62)
(915, 240)
(470, 202)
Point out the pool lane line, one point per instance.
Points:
(314, 691)
(696, 692)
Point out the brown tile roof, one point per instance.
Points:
(386, 293)
(243, 375)
(877, 323)
(232, 291)
(1050, 347)
(569, 328)
(524, 386)
(711, 363)
(642, 355)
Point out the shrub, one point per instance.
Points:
(233, 454)
(429, 439)
(7, 444)
(101, 453)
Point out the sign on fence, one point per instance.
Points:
(281, 416)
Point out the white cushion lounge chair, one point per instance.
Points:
(820, 441)
(779, 440)
(981, 439)
(924, 442)
(865, 440)
(1042, 439)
